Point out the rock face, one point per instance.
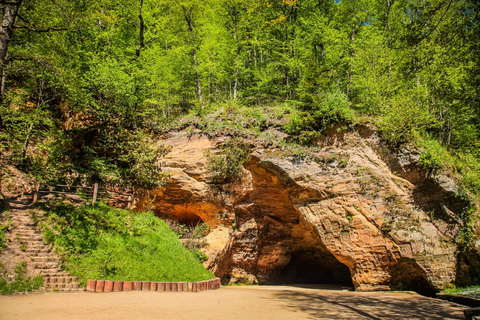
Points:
(351, 212)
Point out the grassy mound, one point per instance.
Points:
(113, 244)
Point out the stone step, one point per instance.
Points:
(19, 205)
(46, 265)
(31, 232)
(49, 272)
(62, 285)
(27, 229)
(35, 243)
(24, 223)
(28, 234)
(38, 250)
(60, 279)
(30, 238)
(19, 216)
(39, 259)
(59, 274)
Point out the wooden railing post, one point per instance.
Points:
(129, 205)
(35, 195)
(95, 191)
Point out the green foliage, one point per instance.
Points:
(3, 236)
(473, 291)
(227, 165)
(114, 244)
(191, 237)
(403, 120)
(433, 156)
(20, 282)
(332, 108)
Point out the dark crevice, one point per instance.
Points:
(407, 275)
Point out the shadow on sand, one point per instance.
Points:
(328, 302)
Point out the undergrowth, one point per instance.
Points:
(21, 282)
(114, 244)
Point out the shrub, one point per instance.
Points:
(433, 156)
(403, 120)
(227, 165)
(333, 108)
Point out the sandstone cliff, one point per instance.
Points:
(349, 212)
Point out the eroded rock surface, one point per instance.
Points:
(352, 212)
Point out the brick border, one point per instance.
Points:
(116, 286)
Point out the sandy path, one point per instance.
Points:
(228, 303)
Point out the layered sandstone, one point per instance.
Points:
(350, 212)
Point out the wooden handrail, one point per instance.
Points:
(95, 192)
(65, 186)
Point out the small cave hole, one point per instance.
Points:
(185, 218)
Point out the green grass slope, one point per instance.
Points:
(113, 244)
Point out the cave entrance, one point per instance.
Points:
(314, 266)
(186, 218)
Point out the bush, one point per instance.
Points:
(227, 165)
(433, 156)
(403, 120)
(333, 108)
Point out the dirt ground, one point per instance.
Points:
(256, 302)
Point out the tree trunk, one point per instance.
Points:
(234, 17)
(27, 140)
(10, 12)
(188, 17)
(352, 53)
(389, 5)
(141, 43)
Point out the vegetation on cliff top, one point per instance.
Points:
(114, 244)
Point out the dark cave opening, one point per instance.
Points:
(314, 267)
(184, 218)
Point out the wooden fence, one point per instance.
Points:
(94, 192)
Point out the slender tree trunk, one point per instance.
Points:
(389, 5)
(237, 62)
(27, 141)
(188, 17)
(10, 12)
(236, 77)
(352, 52)
(141, 43)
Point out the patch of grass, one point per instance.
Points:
(20, 282)
(473, 291)
(3, 236)
(112, 244)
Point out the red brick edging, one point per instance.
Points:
(115, 286)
